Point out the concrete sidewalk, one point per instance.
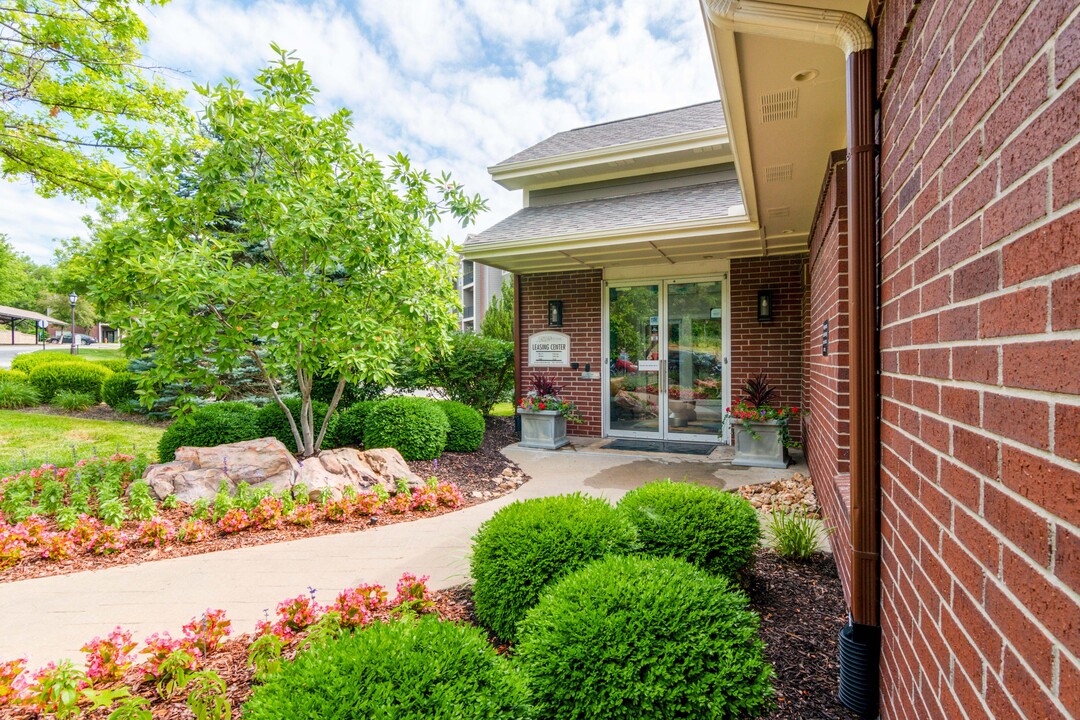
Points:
(50, 618)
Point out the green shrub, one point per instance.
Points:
(526, 545)
(350, 424)
(478, 371)
(415, 427)
(323, 388)
(117, 365)
(405, 670)
(466, 427)
(796, 536)
(15, 394)
(78, 376)
(273, 422)
(715, 530)
(629, 637)
(28, 361)
(70, 400)
(119, 389)
(14, 375)
(210, 425)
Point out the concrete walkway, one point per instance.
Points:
(50, 618)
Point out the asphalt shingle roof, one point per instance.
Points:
(620, 132)
(696, 202)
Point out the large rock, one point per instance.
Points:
(198, 472)
(389, 464)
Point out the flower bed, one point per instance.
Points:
(97, 513)
(205, 668)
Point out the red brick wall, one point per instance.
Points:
(980, 290)
(825, 377)
(580, 293)
(773, 347)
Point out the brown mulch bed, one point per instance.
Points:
(479, 476)
(802, 610)
(99, 412)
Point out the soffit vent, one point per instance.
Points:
(783, 105)
(778, 212)
(778, 173)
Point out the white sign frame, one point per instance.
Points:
(549, 348)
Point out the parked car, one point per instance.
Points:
(65, 339)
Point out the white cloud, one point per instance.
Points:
(456, 84)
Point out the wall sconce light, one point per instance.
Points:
(764, 305)
(555, 313)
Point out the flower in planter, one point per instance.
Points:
(756, 408)
(545, 396)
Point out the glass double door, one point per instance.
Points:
(666, 363)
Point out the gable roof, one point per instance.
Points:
(694, 118)
(695, 202)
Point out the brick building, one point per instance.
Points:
(901, 180)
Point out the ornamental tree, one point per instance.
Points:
(273, 236)
(72, 91)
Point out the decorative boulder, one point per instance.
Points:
(198, 472)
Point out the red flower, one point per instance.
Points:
(542, 406)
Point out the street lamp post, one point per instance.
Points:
(73, 298)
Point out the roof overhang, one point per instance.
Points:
(674, 152)
(8, 314)
(674, 243)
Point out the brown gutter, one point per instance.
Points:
(862, 317)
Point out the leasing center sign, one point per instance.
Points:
(549, 349)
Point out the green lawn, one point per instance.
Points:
(503, 410)
(89, 353)
(28, 439)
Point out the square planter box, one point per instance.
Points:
(544, 429)
(764, 451)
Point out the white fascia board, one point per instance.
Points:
(645, 233)
(726, 66)
(513, 176)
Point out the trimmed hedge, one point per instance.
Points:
(715, 530)
(404, 670)
(117, 366)
(83, 377)
(119, 389)
(350, 424)
(272, 422)
(14, 376)
(628, 637)
(529, 543)
(210, 425)
(28, 361)
(323, 388)
(415, 427)
(466, 427)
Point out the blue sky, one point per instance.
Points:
(456, 84)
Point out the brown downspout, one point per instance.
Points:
(517, 345)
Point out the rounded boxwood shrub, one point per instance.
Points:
(323, 388)
(28, 361)
(466, 427)
(630, 637)
(273, 422)
(119, 389)
(717, 531)
(526, 545)
(210, 425)
(415, 427)
(350, 424)
(405, 670)
(81, 377)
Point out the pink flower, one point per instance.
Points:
(108, 659)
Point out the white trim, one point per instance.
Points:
(665, 271)
(700, 142)
(662, 283)
(838, 28)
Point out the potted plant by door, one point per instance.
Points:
(544, 415)
(762, 436)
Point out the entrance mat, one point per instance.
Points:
(659, 446)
